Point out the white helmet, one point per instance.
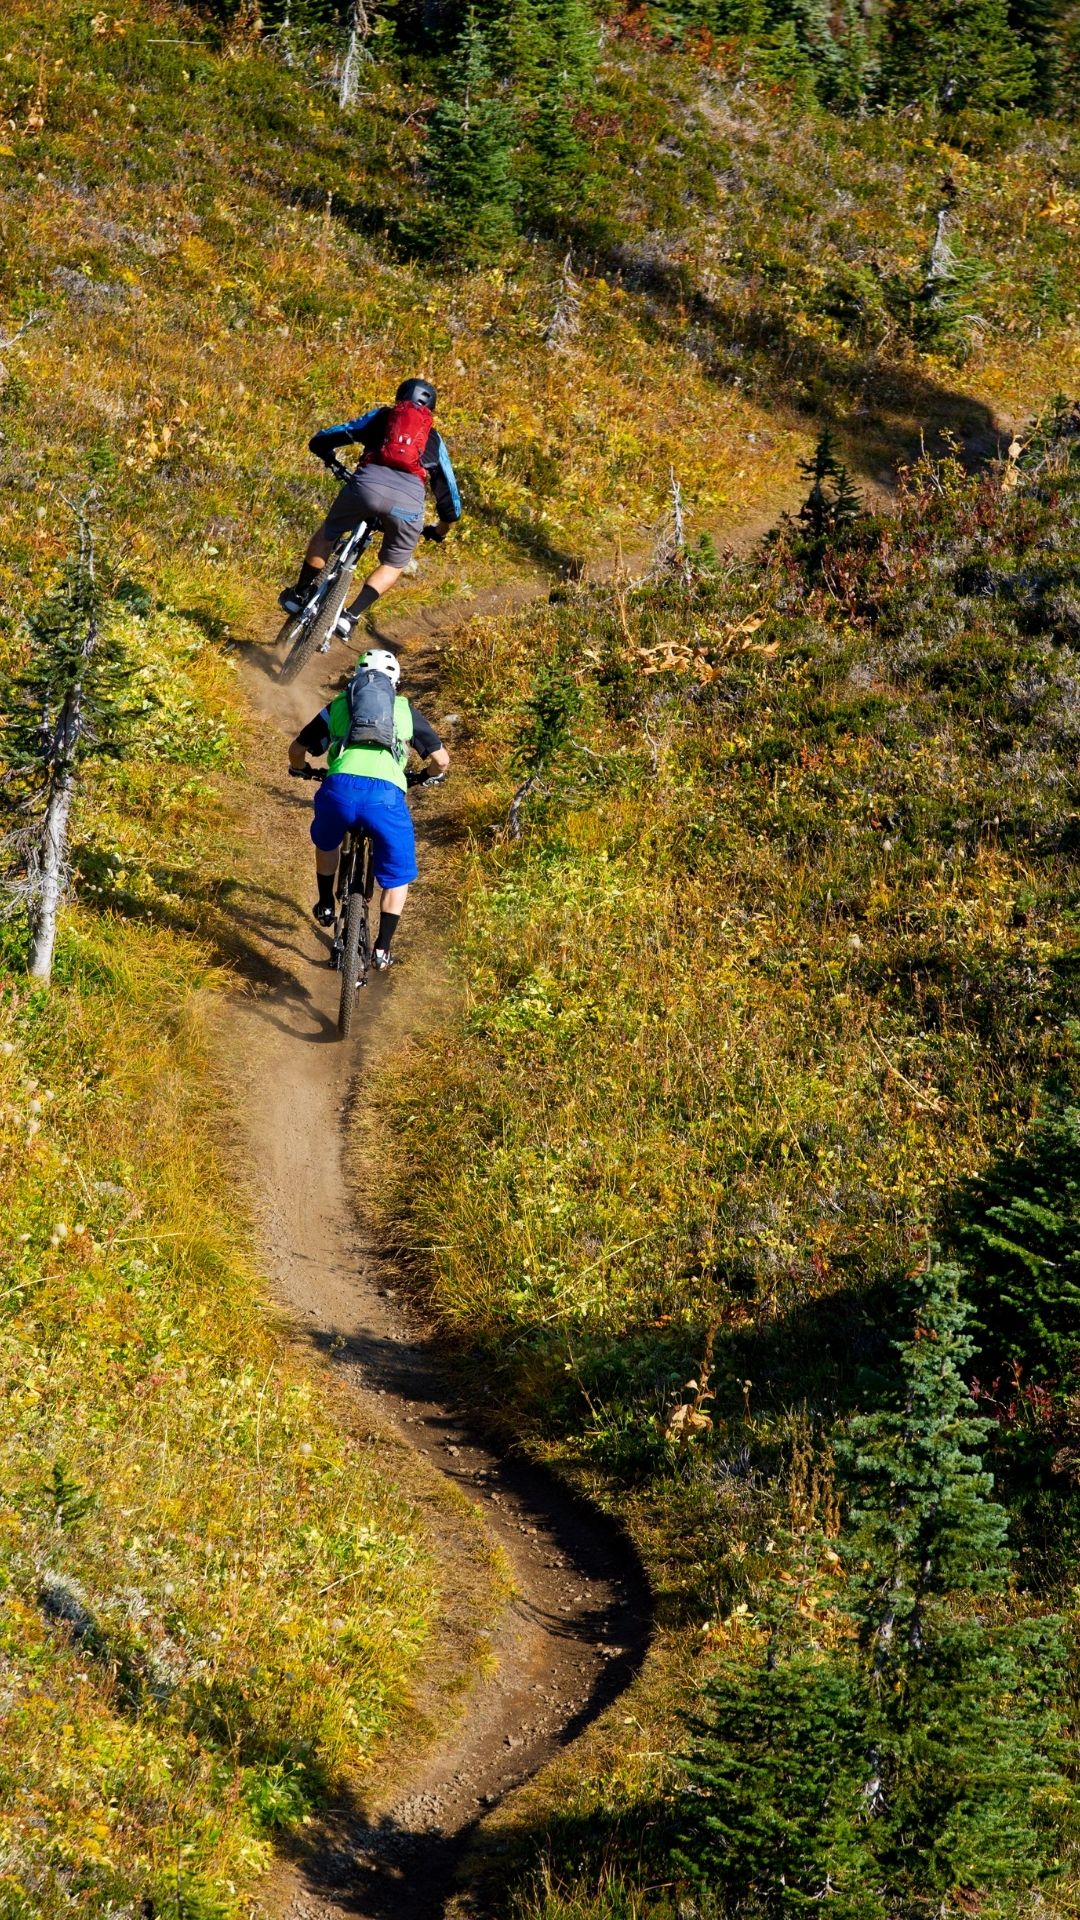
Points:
(380, 660)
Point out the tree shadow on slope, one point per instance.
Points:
(391, 1871)
(879, 409)
(404, 1865)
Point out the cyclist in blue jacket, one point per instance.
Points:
(402, 455)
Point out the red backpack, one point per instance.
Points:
(405, 438)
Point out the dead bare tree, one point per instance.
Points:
(8, 340)
(565, 322)
(356, 52)
(67, 704)
(669, 553)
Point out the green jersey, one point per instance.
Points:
(373, 763)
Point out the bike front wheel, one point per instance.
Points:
(309, 629)
(355, 956)
(287, 637)
(324, 622)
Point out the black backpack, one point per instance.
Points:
(371, 710)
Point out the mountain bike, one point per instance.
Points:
(312, 629)
(350, 940)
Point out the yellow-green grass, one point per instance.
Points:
(191, 228)
(785, 950)
(214, 1602)
(234, 1619)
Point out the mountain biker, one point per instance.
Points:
(365, 787)
(402, 452)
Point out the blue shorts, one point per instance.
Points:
(353, 800)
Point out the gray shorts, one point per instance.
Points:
(393, 501)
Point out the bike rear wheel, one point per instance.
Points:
(355, 955)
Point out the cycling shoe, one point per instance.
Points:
(324, 915)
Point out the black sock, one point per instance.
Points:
(307, 576)
(366, 598)
(326, 888)
(387, 928)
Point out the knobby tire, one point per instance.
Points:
(324, 623)
(354, 958)
(287, 637)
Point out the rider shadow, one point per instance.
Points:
(257, 931)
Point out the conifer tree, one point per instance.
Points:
(773, 1821)
(837, 42)
(955, 53)
(552, 48)
(548, 39)
(831, 505)
(1018, 1233)
(960, 1714)
(467, 158)
(878, 1772)
(749, 19)
(944, 315)
(1040, 24)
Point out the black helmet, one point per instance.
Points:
(420, 392)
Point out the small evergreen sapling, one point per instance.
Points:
(467, 158)
(960, 1714)
(944, 315)
(830, 507)
(544, 731)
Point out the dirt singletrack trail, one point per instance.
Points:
(576, 1626)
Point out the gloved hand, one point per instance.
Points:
(436, 533)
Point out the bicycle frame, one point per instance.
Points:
(312, 630)
(347, 552)
(355, 874)
(350, 943)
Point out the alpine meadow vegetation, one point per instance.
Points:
(771, 986)
(749, 1201)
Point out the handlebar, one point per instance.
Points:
(421, 778)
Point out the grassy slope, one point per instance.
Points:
(206, 240)
(238, 1615)
(785, 948)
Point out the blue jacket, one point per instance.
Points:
(369, 431)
